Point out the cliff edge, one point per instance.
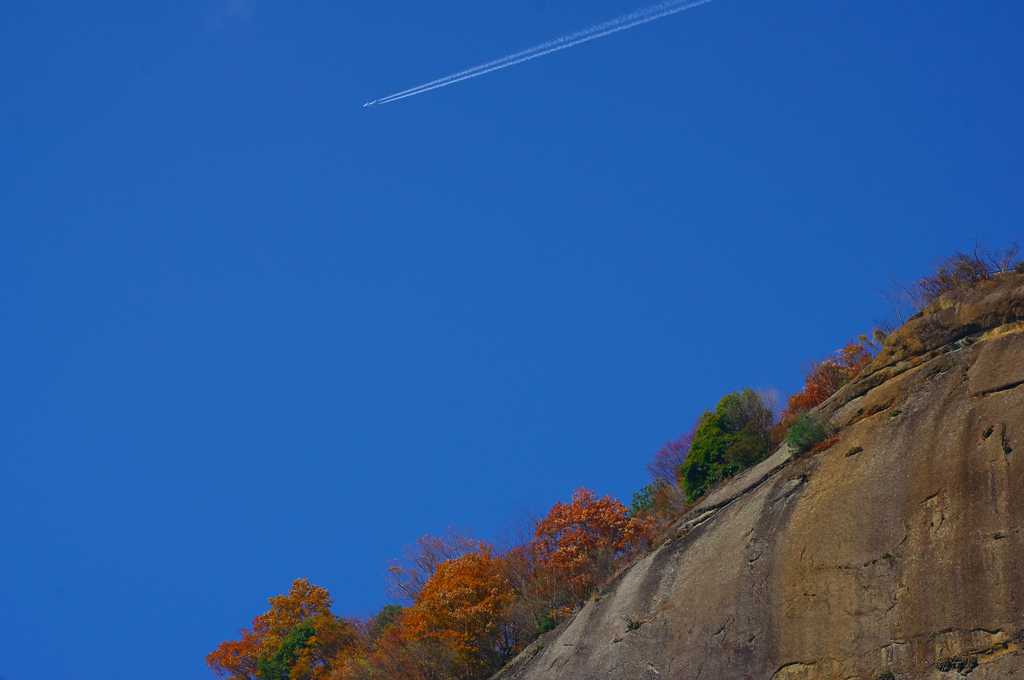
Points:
(896, 553)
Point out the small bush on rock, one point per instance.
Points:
(961, 663)
(806, 432)
(547, 622)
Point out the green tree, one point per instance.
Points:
(278, 666)
(728, 439)
(643, 500)
(749, 446)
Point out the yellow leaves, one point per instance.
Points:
(302, 602)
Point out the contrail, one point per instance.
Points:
(640, 16)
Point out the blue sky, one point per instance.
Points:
(253, 331)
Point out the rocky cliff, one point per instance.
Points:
(896, 553)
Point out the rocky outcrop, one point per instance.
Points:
(896, 553)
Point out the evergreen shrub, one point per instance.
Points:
(806, 432)
(731, 438)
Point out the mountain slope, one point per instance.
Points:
(899, 550)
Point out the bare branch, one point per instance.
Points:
(406, 577)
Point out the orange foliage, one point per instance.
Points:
(537, 590)
(583, 542)
(238, 659)
(473, 609)
(825, 377)
(462, 607)
(303, 602)
(479, 608)
(395, 656)
(457, 627)
(333, 638)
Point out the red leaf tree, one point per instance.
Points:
(583, 542)
(824, 378)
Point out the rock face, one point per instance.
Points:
(896, 553)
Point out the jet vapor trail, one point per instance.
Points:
(640, 16)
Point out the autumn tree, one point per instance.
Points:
(457, 626)
(582, 543)
(299, 638)
(392, 654)
(462, 606)
(406, 577)
(538, 591)
(237, 659)
(955, 274)
(384, 619)
(278, 666)
(319, 653)
(823, 378)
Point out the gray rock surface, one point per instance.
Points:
(903, 558)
